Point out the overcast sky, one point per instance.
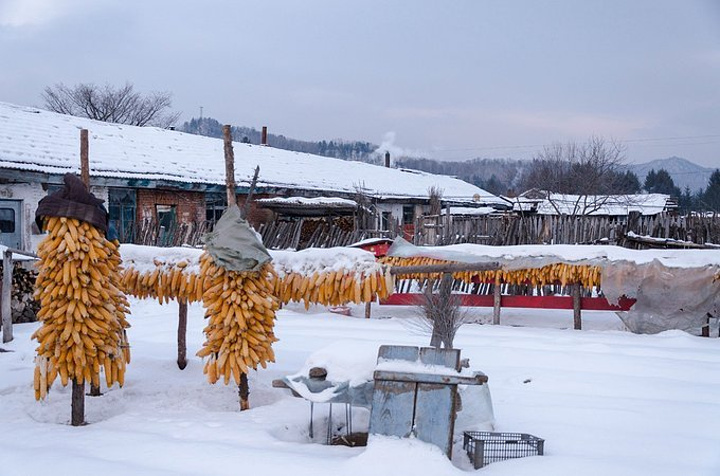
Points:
(446, 79)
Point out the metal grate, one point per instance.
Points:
(485, 447)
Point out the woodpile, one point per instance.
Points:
(24, 306)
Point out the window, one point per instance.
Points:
(165, 215)
(7, 220)
(408, 215)
(386, 220)
(122, 210)
(215, 205)
(166, 220)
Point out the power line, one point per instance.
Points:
(626, 141)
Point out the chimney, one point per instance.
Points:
(387, 159)
(263, 140)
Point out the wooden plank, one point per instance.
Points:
(435, 415)
(443, 357)
(392, 410)
(478, 378)
(6, 297)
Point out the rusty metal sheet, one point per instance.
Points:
(392, 408)
(442, 357)
(398, 352)
(435, 415)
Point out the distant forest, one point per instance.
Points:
(497, 176)
(339, 149)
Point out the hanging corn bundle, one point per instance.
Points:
(562, 273)
(166, 280)
(82, 309)
(331, 277)
(239, 302)
(241, 309)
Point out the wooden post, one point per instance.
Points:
(6, 310)
(243, 388)
(496, 301)
(229, 166)
(244, 392)
(368, 310)
(84, 158)
(182, 332)
(577, 318)
(78, 404)
(85, 177)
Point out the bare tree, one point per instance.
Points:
(579, 179)
(435, 197)
(122, 105)
(441, 313)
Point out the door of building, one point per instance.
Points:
(11, 223)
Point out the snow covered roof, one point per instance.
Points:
(41, 141)
(469, 211)
(610, 205)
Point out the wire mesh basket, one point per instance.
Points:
(485, 447)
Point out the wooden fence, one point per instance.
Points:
(679, 231)
(516, 229)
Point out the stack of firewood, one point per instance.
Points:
(23, 305)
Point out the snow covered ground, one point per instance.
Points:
(607, 402)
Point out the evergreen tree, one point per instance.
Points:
(661, 182)
(711, 195)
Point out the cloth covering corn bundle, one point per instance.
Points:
(238, 280)
(82, 308)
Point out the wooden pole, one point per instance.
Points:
(84, 158)
(78, 404)
(85, 177)
(368, 310)
(182, 333)
(6, 297)
(243, 387)
(229, 166)
(577, 317)
(496, 301)
(244, 393)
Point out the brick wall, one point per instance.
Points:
(189, 206)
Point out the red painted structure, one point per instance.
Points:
(533, 302)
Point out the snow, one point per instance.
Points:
(15, 256)
(319, 201)
(606, 401)
(42, 141)
(309, 261)
(468, 211)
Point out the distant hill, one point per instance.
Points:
(683, 172)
